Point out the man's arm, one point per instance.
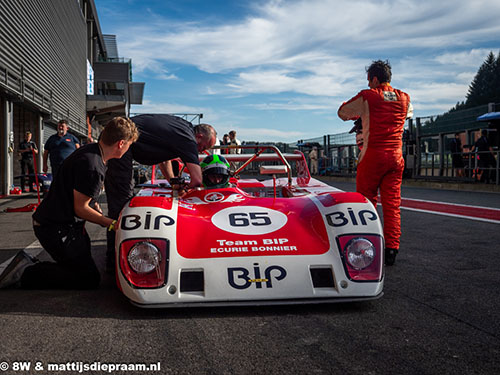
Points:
(409, 113)
(22, 150)
(45, 155)
(76, 141)
(351, 109)
(166, 169)
(195, 172)
(83, 210)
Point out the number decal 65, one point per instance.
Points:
(244, 219)
(249, 220)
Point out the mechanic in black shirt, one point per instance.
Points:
(59, 221)
(26, 149)
(485, 155)
(456, 150)
(162, 138)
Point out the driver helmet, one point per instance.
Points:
(215, 170)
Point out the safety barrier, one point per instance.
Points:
(430, 167)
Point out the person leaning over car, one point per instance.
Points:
(59, 221)
(58, 147)
(162, 138)
(383, 111)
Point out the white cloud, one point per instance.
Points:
(150, 106)
(319, 49)
(280, 30)
(469, 58)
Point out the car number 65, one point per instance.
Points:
(249, 220)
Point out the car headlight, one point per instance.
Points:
(144, 257)
(360, 253)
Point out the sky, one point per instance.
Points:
(277, 70)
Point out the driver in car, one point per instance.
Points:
(215, 171)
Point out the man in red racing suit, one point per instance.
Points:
(383, 111)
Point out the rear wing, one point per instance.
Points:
(303, 175)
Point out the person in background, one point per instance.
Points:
(383, 111)
(225, 142)
(485, 155)
(58, 147)
(233, 141)
(313, 156)
(26, 149)
(457, 160)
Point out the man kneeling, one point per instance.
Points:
(59, 221)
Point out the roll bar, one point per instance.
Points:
(256, 156)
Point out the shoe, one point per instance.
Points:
(390, 256)
(14, 270)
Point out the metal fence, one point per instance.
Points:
(426, 148)
(474, 169)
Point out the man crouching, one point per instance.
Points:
(59, 221)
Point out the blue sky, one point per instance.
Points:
(278, 70)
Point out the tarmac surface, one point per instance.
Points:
(439, 314)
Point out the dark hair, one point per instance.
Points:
(457, 134)
(63, 121)
(117, 129)
(484, 132)
(381, 70)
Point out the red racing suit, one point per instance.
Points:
(383, 112)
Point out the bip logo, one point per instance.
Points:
(239, 277)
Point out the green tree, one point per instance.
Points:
(483, 88)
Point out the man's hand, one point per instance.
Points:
(196, 176)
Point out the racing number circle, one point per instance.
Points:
(249, 220)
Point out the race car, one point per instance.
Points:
(279, 237)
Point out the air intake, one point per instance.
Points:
(322, 278)
(192, 281)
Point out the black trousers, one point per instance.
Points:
(119, 186)
(74, 267)
(27, 164)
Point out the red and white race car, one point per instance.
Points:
(273, 240)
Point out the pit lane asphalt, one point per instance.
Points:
(439, 314)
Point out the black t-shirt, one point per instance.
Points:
(82, 171)
(482, 144)
(25, 145)
(164, 137)
(455, 145)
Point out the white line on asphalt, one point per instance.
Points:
(451, 204)
(452, 215)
